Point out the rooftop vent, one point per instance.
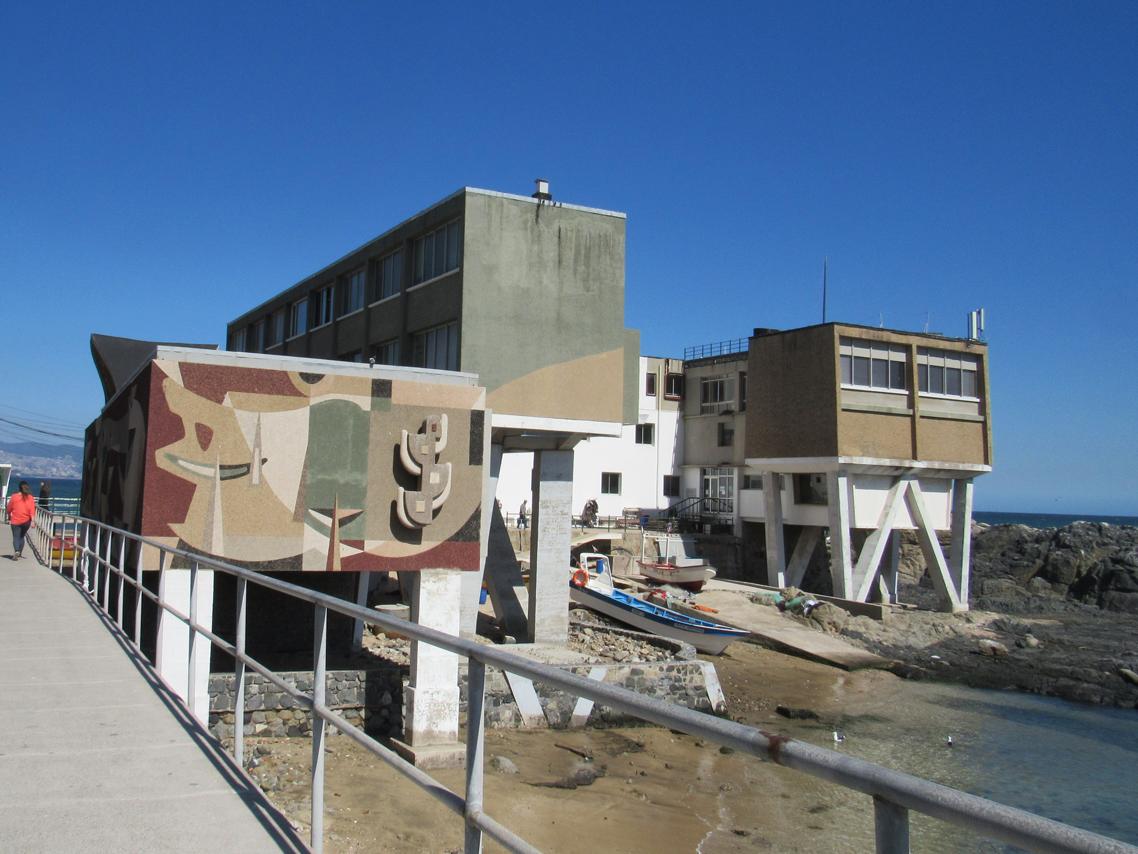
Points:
(542, 193)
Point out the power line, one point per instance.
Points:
(77, 439)
(43, 419)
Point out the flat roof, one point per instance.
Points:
(763, 333)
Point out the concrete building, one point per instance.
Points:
(525, 292)
(864, 432)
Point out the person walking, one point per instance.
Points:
(21, 513)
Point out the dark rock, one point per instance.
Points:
(796, 713)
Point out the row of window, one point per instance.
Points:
(434, 254)
(673, 386)
(610, 484)
(873, 365)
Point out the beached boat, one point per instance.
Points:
(596, 592)
(675, 562)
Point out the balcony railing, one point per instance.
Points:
(718, 348)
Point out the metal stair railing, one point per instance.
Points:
(894, 793)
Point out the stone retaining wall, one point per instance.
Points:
(374, 698)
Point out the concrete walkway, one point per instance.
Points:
(95, 754)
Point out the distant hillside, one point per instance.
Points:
(37, 459)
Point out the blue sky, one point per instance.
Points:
(163, 168)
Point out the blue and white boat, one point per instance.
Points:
(597, 592)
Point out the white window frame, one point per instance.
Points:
(856, 353)
(931, 360)
(647, 428)
(425, 347)
(606, 479)
(716, 394)
(323, 305)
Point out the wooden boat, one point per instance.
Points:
(674, 563)
(597, 593)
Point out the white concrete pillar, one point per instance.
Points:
(549, 547)
(776, 536)
(960, 549)
(841, 566)
(172, 651)
(430, 701)
(362, 585)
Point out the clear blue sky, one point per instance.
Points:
(164, 167)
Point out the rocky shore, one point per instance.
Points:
(1053, 611)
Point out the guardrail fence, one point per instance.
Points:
(91, 553)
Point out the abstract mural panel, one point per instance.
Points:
(279, 470)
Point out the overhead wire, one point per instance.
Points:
(73, 438)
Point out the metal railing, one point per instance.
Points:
(717, 348)
(894, 793)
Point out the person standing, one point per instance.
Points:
(45, 494)
(21, 512)
(522, 520)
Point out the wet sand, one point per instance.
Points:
(641, 789)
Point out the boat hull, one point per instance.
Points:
(688, 577)
(704, 635)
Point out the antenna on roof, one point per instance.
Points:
(928, 316)
(825, 271)
(976, 325)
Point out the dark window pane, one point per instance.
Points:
(897, 375)
(936, 379)
(861, 370)
(968, 384)
(923, 377)
(440, 251)
(418, 260)
(847, 369)
(880, 374)
(952, 381)
(452, 245)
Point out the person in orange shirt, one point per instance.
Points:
(21, 512)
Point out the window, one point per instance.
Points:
(671, 486)
(436, 348)
(752, 481)
(237, 340)
(610, 483)
(298, 318)
(674, 386)
(437, 253)
(322, 306)
(871, 364)
(650, 385)
(257, 339)
(742, 391)
(389, 275)
(948, 373)
(719, 484)
(645, 434)
(276, 331)
(716, 394)
(386, 353)
(354, 291)
(352, 356)
(810, 489)
(725, 434)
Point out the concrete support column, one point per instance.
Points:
(430, 700)
(960, 549)
(472, 581)
(841, 566)
(549, 547)
(172, 651)
(772, 522)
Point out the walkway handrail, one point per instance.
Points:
(894, 793)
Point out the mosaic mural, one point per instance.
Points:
(279, 470)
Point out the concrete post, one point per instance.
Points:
(549, 547)
(173, 646)
(772, 522)
(431, 698)
(841, 565)
(960, 550)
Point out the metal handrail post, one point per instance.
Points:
(122, 577)
(475, 747)
(93, 576)
(107, 573)
(239, 675)
(319, 677)
(890, 826)
(138, 598)
(81, 574)
(191, 682)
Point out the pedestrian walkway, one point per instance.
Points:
(95, 754)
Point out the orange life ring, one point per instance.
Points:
(580, 578)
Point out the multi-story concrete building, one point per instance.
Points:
(865, 432)
(527, 293)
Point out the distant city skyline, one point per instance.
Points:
(165, 168)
